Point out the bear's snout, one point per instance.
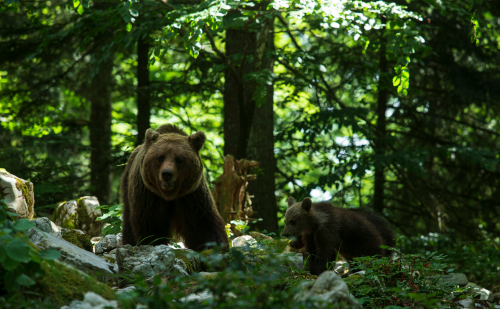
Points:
(167, 174)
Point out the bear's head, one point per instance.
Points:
(298, 222)
(171, 165)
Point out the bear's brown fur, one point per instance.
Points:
(164, 190)
(324, 230)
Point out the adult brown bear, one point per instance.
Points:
(164, 190)
(325, 230)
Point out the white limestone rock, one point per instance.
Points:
(327, 290)
(92, 300)
(18, 194)
(79, 214)
(73, 255)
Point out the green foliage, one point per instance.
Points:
(479, 260)
(404, 282)
(21, 264)
(112, 215)
(246, 280)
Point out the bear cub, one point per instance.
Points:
(324, 230)
(164, 191)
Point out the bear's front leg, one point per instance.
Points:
(326, 251)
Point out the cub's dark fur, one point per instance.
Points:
(324, 230)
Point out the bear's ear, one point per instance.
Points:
(291, 201)
(306, 204)
(197, 140)
(151, 136)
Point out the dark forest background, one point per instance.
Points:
(396, 111)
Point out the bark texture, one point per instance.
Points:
(383, 96)
(143, 97)
(100, 131)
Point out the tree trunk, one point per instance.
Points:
(261, 149)
(100, 131)
(238, 93)
(143, 104)
(383, 95)
(248, 129)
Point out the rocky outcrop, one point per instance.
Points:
(92, 300)
(79, 214)
(18, 194)
(81, 259)
(326, 292)
(106, 244)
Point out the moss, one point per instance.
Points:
(83, 216)
(192, 262)
(21, 186)
(109, 259)
(63, 284)
(57, 211)
(69, 223)
(77, 239)
(207, 253)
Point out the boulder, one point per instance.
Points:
(106, 244)
(146, 261)
(92, 300)
(246, 242)
(81, 259)
(18, 194)
(258, 235)
(294, 261)
(44, 224)
(79, 214)
(326, 291)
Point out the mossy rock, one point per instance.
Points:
(63, 284)
(25, 207)
(79, 214)
(77, 239)
(190, 258)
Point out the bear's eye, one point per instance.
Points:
(178, 160)
(161, 158)
(293, 222)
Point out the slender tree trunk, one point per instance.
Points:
(383, 95)
(261, 149)
(143, 103)
(100, 131)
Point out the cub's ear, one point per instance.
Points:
(291, 201)
(306, 204)
(151, 136)
(197, 140)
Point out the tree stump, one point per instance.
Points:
(230, 191)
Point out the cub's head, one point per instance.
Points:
(298, 222)
(171, 165)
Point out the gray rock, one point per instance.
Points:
(146, 261)
(125, 290)
(341, 268)
(467, 303)
(327, 290)
(73, 255)
(454, 279)
(204, 295)
(106, 244)
(79, 214)
(293, 260)
(18, 194)
(119, 239)
(244, 241)
(92, 300)
(44, 224)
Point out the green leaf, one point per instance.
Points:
(18, 251)
(80, 10)
(24, 280)
(49, 254)
(395, 81)
(76, 3)
(9, 264)
(129, 27)
(23, 225)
